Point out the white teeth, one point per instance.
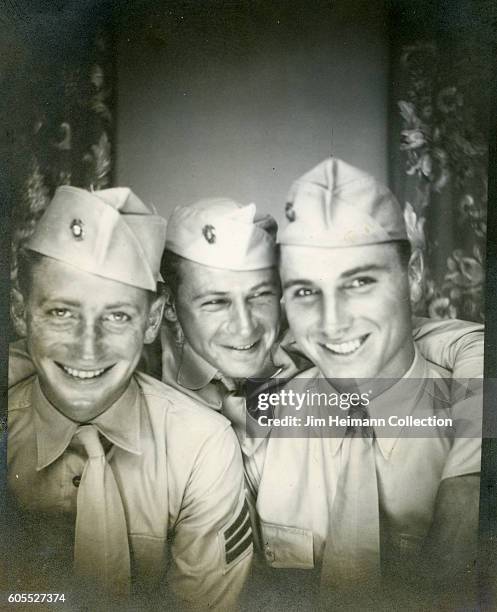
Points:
(243, 348)
(345, 348)
(83, 373)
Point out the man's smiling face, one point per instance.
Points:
(349, 309)
(231, 319)
(85, 335)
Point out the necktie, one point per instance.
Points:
(235, 410)
(101, 551)
(351, 559)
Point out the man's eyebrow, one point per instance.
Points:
(201, 296)
(267, 283)
(59, 301)
(362, 269)
(297, 281)
(121, 305)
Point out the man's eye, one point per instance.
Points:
(60, 313)
(303, 292)
(262, 294)
(360, 282)
(118, 317)
(219, 302)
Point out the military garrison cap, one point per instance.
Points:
(336, 205)
(109, 233)
(221, 233)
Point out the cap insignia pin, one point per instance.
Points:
(77, 229)
(290, 212)
(209, 232)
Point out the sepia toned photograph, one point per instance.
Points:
(247, 355)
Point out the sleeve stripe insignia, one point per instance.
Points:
(238, 521)
(237, 538)
(242, 547)
(233, 541)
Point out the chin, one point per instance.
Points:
(78, 410)
(239, 373)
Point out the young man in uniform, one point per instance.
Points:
(119, 482)
(222, 314)
(368, 507)
(222, 320)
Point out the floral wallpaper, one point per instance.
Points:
(444, 156)
(65, 136)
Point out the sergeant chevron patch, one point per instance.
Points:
(236, 538)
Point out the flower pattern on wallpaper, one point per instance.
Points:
(68, 144)
(445, 156)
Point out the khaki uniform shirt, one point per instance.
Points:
(190, 373)
(179, 471)
(296, 478)
(187, 371)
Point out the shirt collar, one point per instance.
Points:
(120, 424)
(287, 356)
(399, 400)
(396, 400)
(54, 431)
(182, 365)
(183, 369)
(194, 371)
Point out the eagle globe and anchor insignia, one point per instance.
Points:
(290, 212)
(209, 232)
(77, 229)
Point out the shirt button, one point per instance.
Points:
(268, 553)
(76, 480)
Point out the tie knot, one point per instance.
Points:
(359, 422)
(228, 384)
(88, 435)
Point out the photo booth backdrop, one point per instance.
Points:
(438, 149)
(59, 97)
(180, 104)
(240, 99)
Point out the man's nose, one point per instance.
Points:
(335, 314)
(240, 322)
(88, 341)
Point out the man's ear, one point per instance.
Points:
(169, 306)
(154, 319)
(415, 272)
(18, 313)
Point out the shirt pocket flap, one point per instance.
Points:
(287, 547)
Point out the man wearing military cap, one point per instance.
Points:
(222, 317)
(223, 254)
(364, 504)
(134, 479)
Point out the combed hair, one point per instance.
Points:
(170, 270)
(404, 250)
(27, 260)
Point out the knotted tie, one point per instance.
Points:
(352, 553)
(233, 405)
(235, 410)
(101, 551)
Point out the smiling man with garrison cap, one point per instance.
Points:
(121, 484)
(368, 508)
